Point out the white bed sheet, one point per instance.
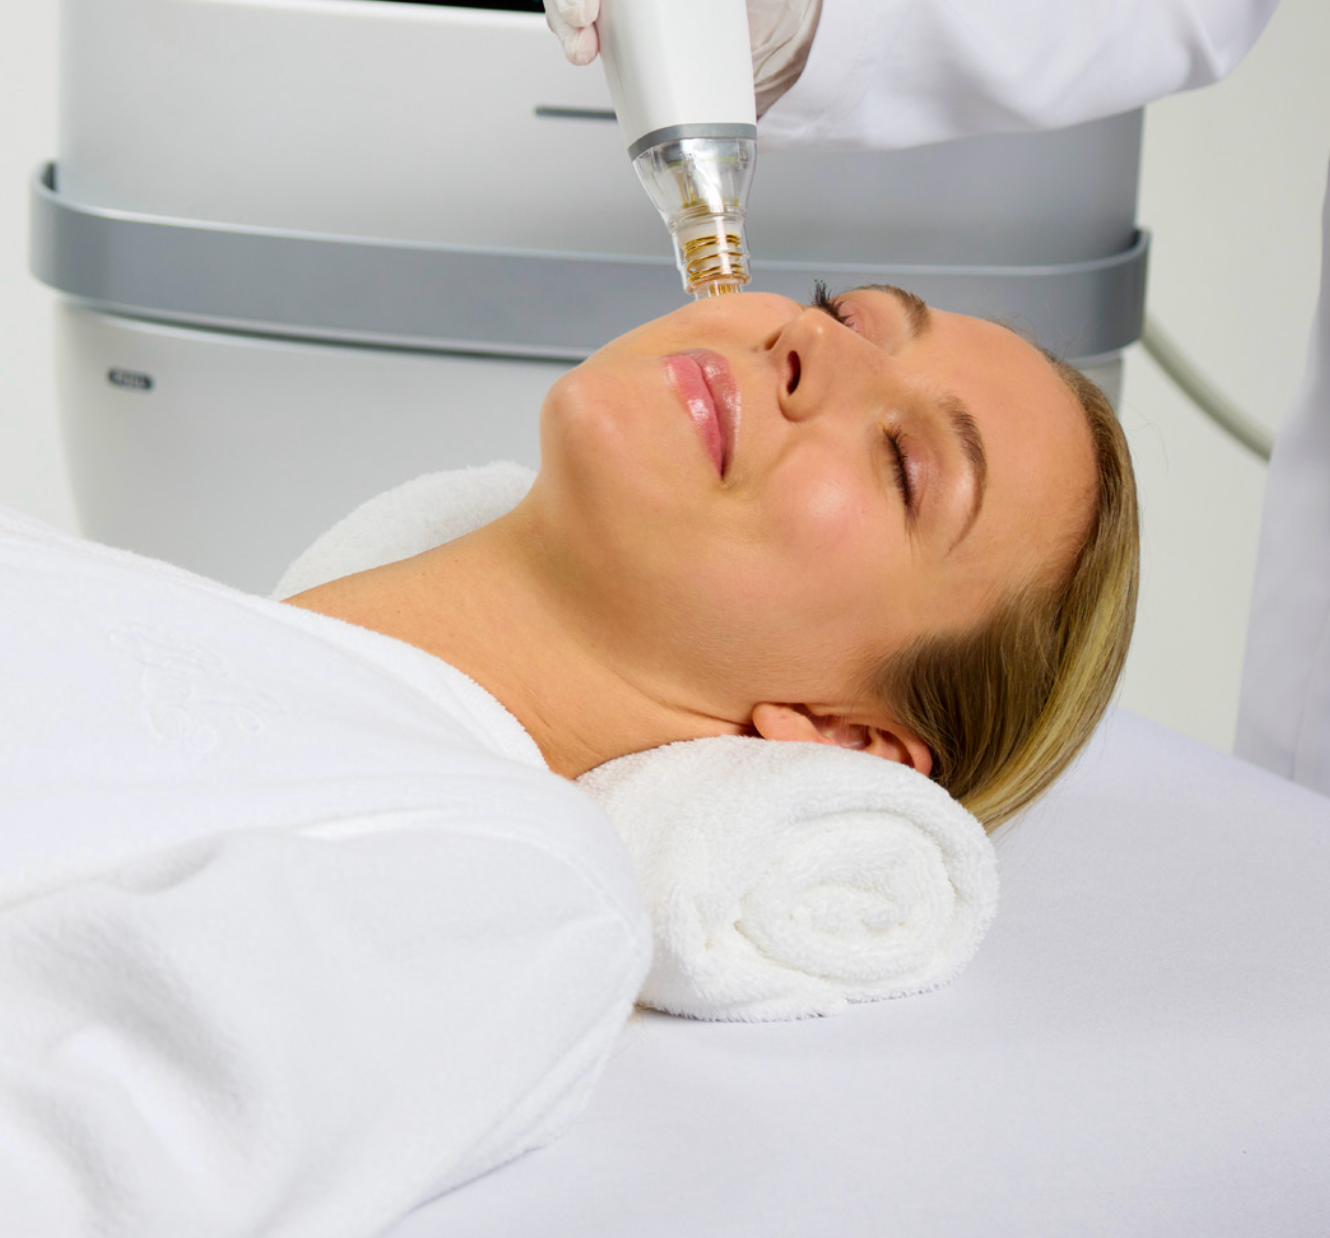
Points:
(1142, 1047)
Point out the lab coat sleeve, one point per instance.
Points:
(287, 1035)
(888, 74)
(1284, 710)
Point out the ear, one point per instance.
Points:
(798, 723)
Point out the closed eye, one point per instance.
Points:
(830, 305)
(899, 463)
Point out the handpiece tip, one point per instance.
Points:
(714, 288)
(700, 186)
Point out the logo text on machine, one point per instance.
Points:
(129, 378)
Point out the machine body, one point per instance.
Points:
(293, 271)
(680, 75)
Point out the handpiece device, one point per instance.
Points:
(680, 74)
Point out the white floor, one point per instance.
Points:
(1232, 186)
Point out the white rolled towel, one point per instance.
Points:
(783, 880)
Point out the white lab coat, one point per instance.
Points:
(887, 74)
(1284, 718)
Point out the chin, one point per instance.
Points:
(587, 482)
(608, 435)
(625, 490)
(583, 430)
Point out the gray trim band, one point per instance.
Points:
(525, 303)
(550, 112)
(678, 133)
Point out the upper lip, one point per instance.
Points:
(724, 395)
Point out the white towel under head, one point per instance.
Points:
(786, 880)
(783, 880)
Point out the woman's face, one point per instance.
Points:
(774, 501)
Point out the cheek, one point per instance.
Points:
(825, 515)
(827, 554)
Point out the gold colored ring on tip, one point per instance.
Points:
(714, 288)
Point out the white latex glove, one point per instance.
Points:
(781, 32)
(573, 24)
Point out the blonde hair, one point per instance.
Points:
(1006, 705)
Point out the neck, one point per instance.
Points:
(490, 605)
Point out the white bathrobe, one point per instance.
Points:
(296, 928)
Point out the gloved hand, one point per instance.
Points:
(781, 32)
(572, 23)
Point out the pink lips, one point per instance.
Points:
(707, 388)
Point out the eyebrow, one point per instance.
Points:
(963, 425)
(916, 308)
(972, 447)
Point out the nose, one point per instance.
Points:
(812, 353)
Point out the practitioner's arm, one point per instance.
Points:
(897, 73)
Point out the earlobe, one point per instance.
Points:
(799, 724)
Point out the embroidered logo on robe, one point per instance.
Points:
(190, 697)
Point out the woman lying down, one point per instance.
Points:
(301, 922)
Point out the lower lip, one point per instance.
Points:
(689, 381)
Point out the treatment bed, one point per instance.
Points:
(1141, 1047)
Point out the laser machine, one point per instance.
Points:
(308, 249)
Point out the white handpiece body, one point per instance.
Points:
(673, 63)
(680, 75)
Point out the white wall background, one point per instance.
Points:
(32, 474)
(1232, 187)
